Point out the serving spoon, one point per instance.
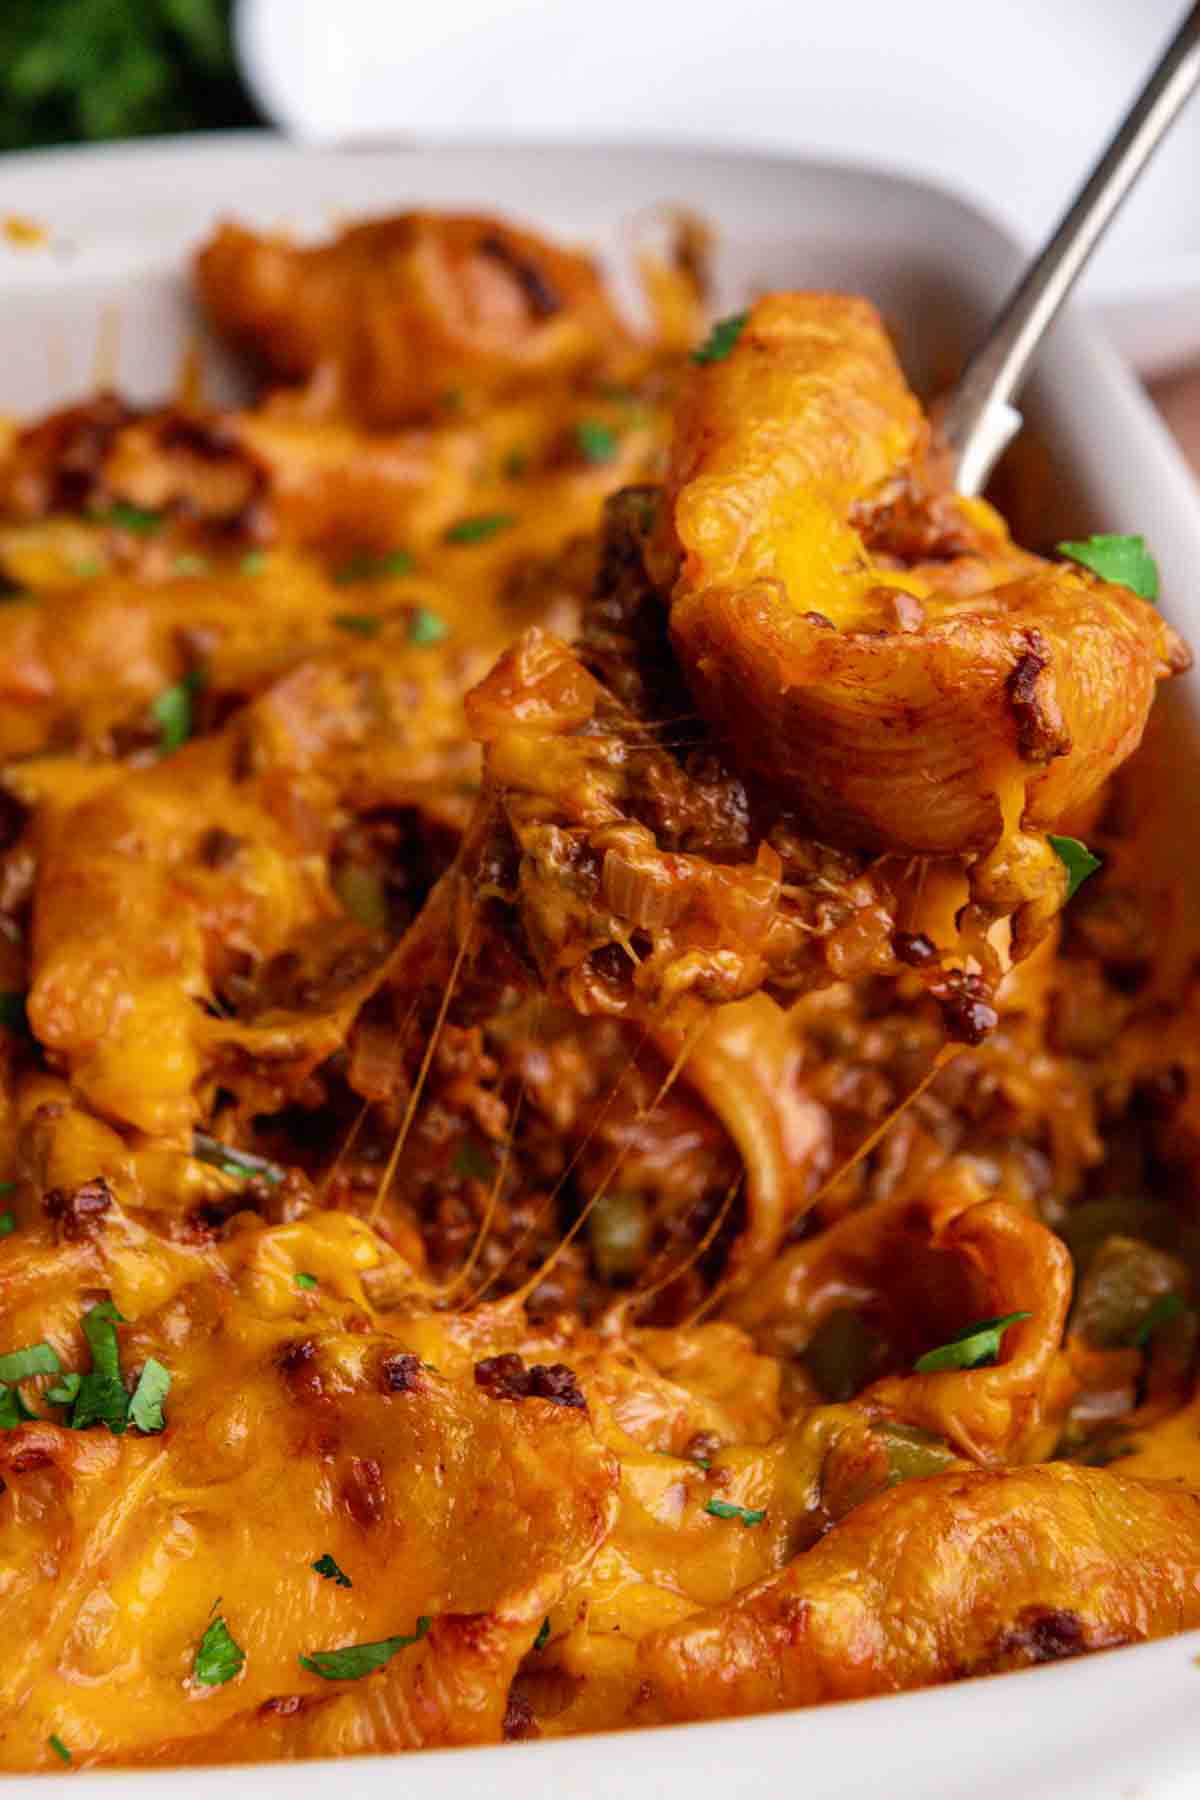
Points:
(979, 420)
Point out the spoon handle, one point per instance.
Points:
(980, 420)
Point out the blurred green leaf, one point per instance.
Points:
(204, 27)
(80, 69)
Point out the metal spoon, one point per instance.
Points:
(980, 421)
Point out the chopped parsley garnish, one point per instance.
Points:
(59, 1748)
(173, 710)
(426, 627)
(36, 1359)
(470, 1158)
(218, 1657)
(724, 1509)
(127, 517)
(366, 625)
(595, 441)
(974, 1348)
(305, 1280)
(12, 1013)
(88, 568)
(1077, 860)
(13, 1410)
(253, 563)
(1166, 1309)
(191, 565)
(145, 1407)
(543, 1636)
(365, 565)
(1125, 560)
(360, 1659)
(326, 1566)
(17, 1366)
(100, 1329)
(8, 1220)
(721, 339)
(242, 1165)
(516, 464)
(100, 1398)
(479, 527)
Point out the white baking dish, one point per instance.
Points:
(1012, 114)
(106, 296)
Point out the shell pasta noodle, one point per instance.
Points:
(598, 1113)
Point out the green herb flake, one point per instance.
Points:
(360, 1659)
(12, 1014)
(478, 528)
(326, 1566)
(88, 568)
(100, 1329)
(974, 1348)
(721, 339)
(305, 1280)
(1124, 560)
(471, 1158)
(173, 711)
(253, 563)
(365, 565)
(13, 1410)
(100, 1398)
(516, 465)
(367, 625)
(724, 1509)
(241, 1165)
(1166, 1309)
(65, 1392)
(145, 1407)
(595, 441)
(218, 1657)
(426, 627)
(543, 1636)
(8, 1220)
(59, 1748)
(1077, 859)
(191, 565)
(37, 1359)
(124, 516)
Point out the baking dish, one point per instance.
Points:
(103, 297)
(808, 80)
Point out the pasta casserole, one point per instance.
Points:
(598, 1112)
